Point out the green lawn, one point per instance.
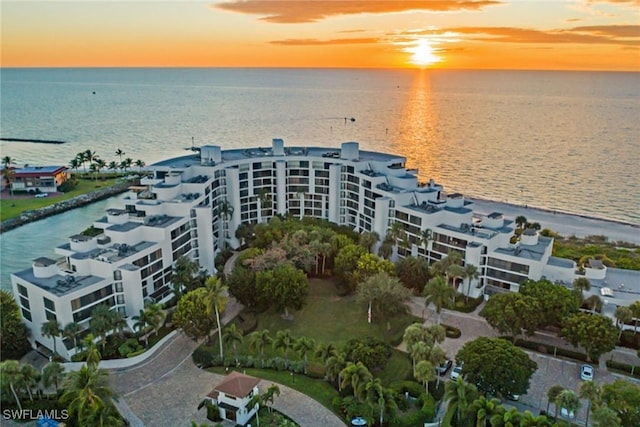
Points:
(329, 318)
(10, 208)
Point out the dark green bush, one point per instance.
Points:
(630, 340)
(401, 387)
(452, 331)
(549, 349)
(202, 357)
(464, 306)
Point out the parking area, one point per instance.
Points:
(565, 373)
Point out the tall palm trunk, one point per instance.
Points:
(15, 395)
(219, 332)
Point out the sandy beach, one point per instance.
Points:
(563, 223)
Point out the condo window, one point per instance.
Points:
(48, 304)
(22, 291)
(26, 314)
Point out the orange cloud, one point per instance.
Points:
(603, 34)
(294, 12)
(315, 42)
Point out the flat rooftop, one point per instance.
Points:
(58, 284)
(259, 153)
(532, 252)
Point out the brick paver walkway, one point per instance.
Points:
(166, 389)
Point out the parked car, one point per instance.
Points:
(514, 397)
(41, 195)
(444, 367)
(455, 373)
(586, 373)
(567, 414)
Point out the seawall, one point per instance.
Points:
(63, 206)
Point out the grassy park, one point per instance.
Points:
(13, 206)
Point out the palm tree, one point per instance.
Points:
(590, 390)
(157, 316)
(258, 340)
(101, 322)
(52, 374)
(12, 374)
(113, 165)
(460, 395)
(367, 239)
(75, 163)
(141, 321)
(484, 409)
(51, 329)
(126, 163)
(527, 419)
(86, 394)
(269, 396)
(30, 378)
(470, 273)
(283, 341)
(419, 351)
(93, 354)
(71, 331)
(425, 372)
(226, 210)
(426, 236)
(373, 393)
(140, 164)
(506, 418)
(254, 403)
(355, 374)
(552, 395)
(334, 366)
(623, 315)
(439, 293)
(7, 172)
(216, 300)
(606, 417)
(568, 400)
(233, 335)
(325, 351)
(303, 346)
(521, 221)
(581, 285)
(120, 153)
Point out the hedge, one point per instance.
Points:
(550, 349)
(624, 367)
(451, 331)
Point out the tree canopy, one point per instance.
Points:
(285, 286)
(594, 332)
(385, 294)
(556, 302)
(13, 334)
(191, 314)
(512, 314)
(496, 366)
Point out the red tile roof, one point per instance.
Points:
(237, 385)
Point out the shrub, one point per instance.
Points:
(372, 352)
(136, 353)
(68, 185)
(315, 370)
(452, 331)
(402, 387)
(129, 346)
(202, 357)
(464, 306)
(213, 413)
(549, 349)
(630, 340)
(623, 367)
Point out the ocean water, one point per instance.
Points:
(562, 140)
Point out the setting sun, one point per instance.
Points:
(423, 53)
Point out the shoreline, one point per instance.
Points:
(564, 223)
(30, 216)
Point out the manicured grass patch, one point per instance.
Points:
(329, 318)
(13, 207)
(319, 390)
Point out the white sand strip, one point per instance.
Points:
(563, 223)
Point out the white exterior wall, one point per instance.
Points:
(204, 221)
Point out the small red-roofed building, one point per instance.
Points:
(44, 179)
(232, 397)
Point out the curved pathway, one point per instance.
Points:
(166, 389)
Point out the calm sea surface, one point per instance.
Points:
(563, 140)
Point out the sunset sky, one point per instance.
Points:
(476, 34)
